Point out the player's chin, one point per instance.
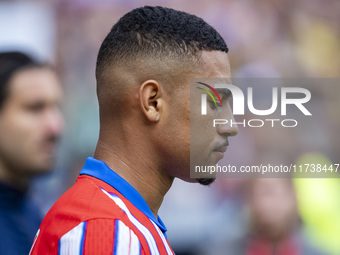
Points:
(205, 181)
(202, 180)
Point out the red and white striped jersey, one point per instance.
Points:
(100, 214)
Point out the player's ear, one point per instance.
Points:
(150, 98)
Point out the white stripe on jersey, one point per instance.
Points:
(166, 244)
(72, 241)
(146, 232)
(127, 242)
(135, 246)
(35, 239)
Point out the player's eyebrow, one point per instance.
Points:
(224, 92)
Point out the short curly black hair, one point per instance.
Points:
(156, 31)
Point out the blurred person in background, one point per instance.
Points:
(30, 125)
(274, 226)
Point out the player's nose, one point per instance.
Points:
(230, 128)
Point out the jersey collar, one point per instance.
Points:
(101, 171)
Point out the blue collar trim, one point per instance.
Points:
(101, 171)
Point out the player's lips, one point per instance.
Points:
(222, 147)
(220, 150)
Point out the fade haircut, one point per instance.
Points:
(157, 32)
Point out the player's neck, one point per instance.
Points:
(138, 170)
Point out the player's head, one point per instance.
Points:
(30, 117)
(143, 75)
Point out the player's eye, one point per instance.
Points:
(212, 104)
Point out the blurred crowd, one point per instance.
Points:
(267, 39)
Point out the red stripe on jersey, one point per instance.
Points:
(85, 201)
(141, 217)
(103, 230)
